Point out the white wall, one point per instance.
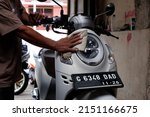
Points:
(138, 9)
(124, 11)
(132, 55)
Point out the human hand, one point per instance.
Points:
(66, 44)
(36, 18)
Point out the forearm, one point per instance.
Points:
(25, 18)
(63, 45)
(35, 38)
(31, 19)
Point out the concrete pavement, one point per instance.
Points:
(26, 95)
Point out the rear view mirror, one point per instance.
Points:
(110, 9)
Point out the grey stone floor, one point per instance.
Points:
(26, 95)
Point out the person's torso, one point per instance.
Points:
(10, 49)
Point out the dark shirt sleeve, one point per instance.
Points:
(9, 21)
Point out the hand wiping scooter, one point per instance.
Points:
(81, 47)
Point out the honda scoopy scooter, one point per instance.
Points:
(90, 74)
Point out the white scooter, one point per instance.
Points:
(90, 74)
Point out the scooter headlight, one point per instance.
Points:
(93, 53)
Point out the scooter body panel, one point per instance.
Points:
(43, 80)
(64, 83)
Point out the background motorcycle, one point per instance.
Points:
(22, 84)
(88, 74)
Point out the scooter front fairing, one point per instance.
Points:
(94, 68)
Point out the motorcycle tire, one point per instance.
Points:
(22, 84)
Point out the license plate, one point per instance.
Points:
(96, 80)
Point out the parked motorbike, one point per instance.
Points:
(22, 84)
(88, 74)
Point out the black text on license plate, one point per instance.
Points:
(96, 80)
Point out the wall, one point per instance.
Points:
(142, 11)
(132, 53)
(124, 11)
(128, 10)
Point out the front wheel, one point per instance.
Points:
(22, 84)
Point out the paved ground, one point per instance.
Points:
(26, 95)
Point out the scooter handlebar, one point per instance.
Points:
(52, 20)
(47, 21)
(100, 30)
(109, 34)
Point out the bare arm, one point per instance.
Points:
(33, 37)
(63, 45)
(31, 19)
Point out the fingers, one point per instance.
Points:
(75, 38)
(68, 44)
(74, 35)
(75, 43)
(37, 17)
(73, 50)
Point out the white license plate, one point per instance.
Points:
(96, 80)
